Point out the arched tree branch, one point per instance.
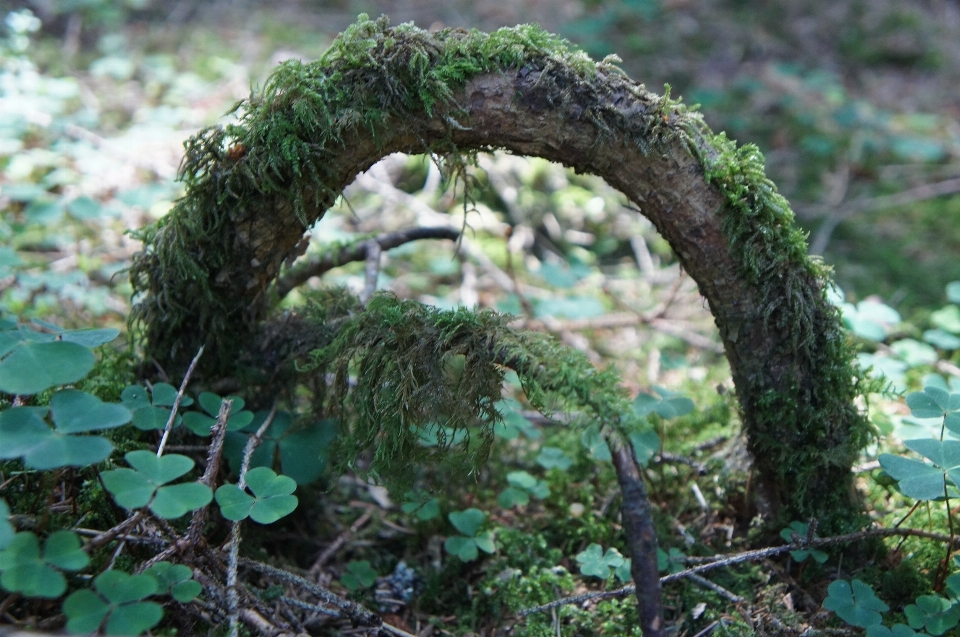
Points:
(253, 188)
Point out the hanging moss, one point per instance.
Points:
(402, 370)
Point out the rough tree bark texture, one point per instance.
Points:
(783, 340)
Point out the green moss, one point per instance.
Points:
(403, 371)
(801, 430)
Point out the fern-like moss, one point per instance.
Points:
(402, 370)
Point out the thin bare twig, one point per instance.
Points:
(358, 252)
(176, 403)
(331, 550)
(359, 615)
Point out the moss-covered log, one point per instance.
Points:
(253, 188)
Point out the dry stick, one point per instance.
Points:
(176, 403)
(209, 477)
(233, 599)
(357, 614)
(331, 550)
(641, 537)
(110, 534)
(357, 252)
(719, 560)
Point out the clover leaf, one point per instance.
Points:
(593, 442)
(522, 486)
(26, 434)
(898, 630)
(6, 529)
(595, 563)
(271, 498)
(645, 444)
(359, 575)
(855, 603)
(146, 484)
(799, 529)
(175, 580)
(303, 448)
(672, 562)
(936, 402)
(919, 480)
(201, 424)
(934, 613)
(420, 503)
(465, 546)
(30, 367)
(667, 404)
(27, 571)
(151, 409)
(512, 422)
(118, 600)
(554, 458)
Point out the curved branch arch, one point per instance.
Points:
(255, 187)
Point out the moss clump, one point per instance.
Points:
(403, 371)
(810, 423)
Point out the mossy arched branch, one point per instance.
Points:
(253, 188)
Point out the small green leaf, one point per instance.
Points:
(512, 496)
(554, 458)
(28, 572)
(898, 630)
(359, 575)
(90, 337)
(235, 504)
(146, 483)
(271, 501)
(463, 547)
(595, 444)
(174, 500)
(152, 418)
(645, 444)
(943, 340)
(934, 613)
(135, 397)
(916, 479)
(85, 611)
(118, 601)
(425, 507)
(467, 522)
(855, 603)
(76, 412)
(595, 563)
(164, 395)
(175, 580)
(484, 541)
(33, 367)
(6, 529)
(947, 319)
(623, 571)
(514, 423)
